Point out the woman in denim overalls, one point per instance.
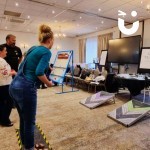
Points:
(23, 88)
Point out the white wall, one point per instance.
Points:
(146, 42)
(65, 44)
(30, 39)
(116, 32)
(138, 32)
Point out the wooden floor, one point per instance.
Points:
(69, 125)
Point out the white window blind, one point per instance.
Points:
(91, 49)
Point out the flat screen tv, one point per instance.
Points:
(124, 50)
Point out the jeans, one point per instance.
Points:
(24, 93)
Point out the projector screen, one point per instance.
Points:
(125, 50)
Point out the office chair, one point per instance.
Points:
(146, 89)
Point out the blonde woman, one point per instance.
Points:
(23, 88)
(5, 80)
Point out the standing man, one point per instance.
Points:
(14, 54)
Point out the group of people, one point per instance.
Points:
(10, 57)
(19, 86)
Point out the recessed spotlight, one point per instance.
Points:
(96, 28)
(99, 9)
(102, 22)
(17, 4)
(148, 6)
(80, 17)
(53, 12)
(6, 28)
(133, 13)
(68, 1)
(28, 17)
(141, 2)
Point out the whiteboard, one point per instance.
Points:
(145, 59)
(103, 57)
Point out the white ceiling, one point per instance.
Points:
(75, 18)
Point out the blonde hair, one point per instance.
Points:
(45, 33)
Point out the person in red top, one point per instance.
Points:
(5, 79)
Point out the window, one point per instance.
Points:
(91, 49)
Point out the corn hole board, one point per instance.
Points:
(129, 113)
(142, 100)
(60, 66)
(97, 99)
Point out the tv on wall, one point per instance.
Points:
(124, 50)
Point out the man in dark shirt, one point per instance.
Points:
(14, 54)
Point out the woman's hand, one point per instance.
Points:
(44, 79)
(51, 69)
(50, 84)
(13, 72)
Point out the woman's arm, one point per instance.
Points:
(44, 79)
(43, 64)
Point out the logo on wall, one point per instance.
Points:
(121, 23)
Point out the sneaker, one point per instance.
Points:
(39, 146)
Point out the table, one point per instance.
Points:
(134, 83)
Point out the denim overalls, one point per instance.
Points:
(24, 93)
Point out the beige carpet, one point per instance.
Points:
(69, 125)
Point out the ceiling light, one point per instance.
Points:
(28, 30)
(53, 12)
(60, 34)
(133, 13)
(16, 4)
(55, 21)
(80, 17)
(148, 8)
(6, 28)
(102, 22)
(28, 17)
(141, 2)
(99, 9)
(77, 25)
(68, 1)
(96, 28)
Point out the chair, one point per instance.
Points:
(98, 84)
(146, 89)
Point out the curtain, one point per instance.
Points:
(103, 42)
(82, 50)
